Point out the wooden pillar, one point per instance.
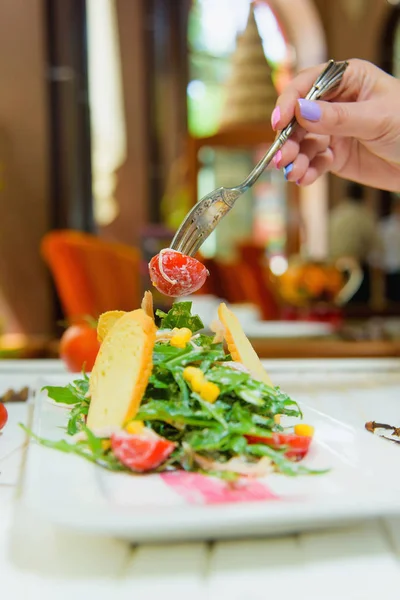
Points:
(132, 192)
(152, 36)
(25, 297)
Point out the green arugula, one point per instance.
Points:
(215, 431)
(76, 395)
(91, 449)
(180, 315)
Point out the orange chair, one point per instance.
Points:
(91, 275)
(243, 281)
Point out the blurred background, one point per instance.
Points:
(117, 115)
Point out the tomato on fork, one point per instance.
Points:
(175, 274)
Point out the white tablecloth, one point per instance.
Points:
(362, 562)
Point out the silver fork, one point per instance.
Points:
(203, 218)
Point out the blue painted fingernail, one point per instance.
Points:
(309, 110)
(288, 170)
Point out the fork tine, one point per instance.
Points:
(187, 225)
(195, 243)
(201, 221)
(185, 237)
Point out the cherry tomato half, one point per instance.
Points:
(141, 452)
(175, 274)
(3, 415)
(79, 347)
(297, 445)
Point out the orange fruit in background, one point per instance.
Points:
(335, 280)
(290, 283)
(304, 282)
(314, 280)
(3, 415)
(79, 347)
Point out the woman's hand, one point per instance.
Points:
(355, 135)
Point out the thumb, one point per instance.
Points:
(349, 119)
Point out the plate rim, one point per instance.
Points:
(236, 515)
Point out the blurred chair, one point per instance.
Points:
(243, 281)
(225, 281)
(92, 275)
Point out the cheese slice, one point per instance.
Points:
(109, 318)
(147, 304)
(121, 372)
(240, 347)
(106, 321)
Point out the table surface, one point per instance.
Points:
(325, 348)
(372, 338)
(358, 562)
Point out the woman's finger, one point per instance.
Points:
(308, 149)
(286, 103)
(359, 75)
(361, 120)
(290, 149)
(321, 164)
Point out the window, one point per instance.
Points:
(213, 27)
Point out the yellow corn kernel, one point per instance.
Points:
(106, 444)
(134, 427)
(186, 333)
(190, 372)
(209, 391)
(304, 429)
(277, 419)
(181, 337)
(198, 381)
(177, 341)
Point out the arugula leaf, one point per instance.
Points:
(77, 416)
(192, 355)
(73, 393)
(158, 383)
(94, 443)
(206, 342)
(173, 412)
(64, 395)
(184, 390)
(285, 466)
(180, 316)
(83, 449)
(228, 379)
(163, 352)
(82, 385)
(214, 410)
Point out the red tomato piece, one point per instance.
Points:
(297, 445)
(141, 452)
(175, 274)
(79, 347)
(3, 415)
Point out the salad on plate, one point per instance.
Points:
(164, 395)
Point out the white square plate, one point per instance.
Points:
(73, 493)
